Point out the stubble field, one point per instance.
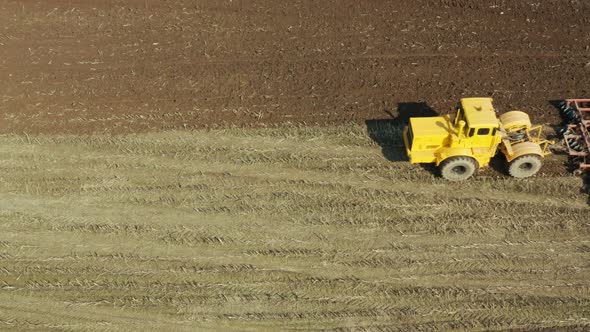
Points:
(290, 228)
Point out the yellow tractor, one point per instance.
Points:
(462, 144)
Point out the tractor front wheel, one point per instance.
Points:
(525, 166)
(458, 168)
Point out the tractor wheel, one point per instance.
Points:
(525, 166)
(458, 168)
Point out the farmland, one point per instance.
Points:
(96, 66)
(237, 165)
(293, 228)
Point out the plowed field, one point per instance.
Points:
(80, 66)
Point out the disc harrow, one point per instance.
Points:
(575, 133)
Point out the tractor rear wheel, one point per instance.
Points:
(525, 166)
(458, 168)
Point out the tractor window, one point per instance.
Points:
(471, 132)
(494, 131)
(483, 131)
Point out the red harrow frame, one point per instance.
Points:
(576, 137)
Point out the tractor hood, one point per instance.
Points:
(431, 127)
(424, 136)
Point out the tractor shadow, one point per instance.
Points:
(499, 164)
(388, 132)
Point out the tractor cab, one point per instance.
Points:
(476, 123)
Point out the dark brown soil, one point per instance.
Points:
(89, 66)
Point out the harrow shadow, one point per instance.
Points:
(557, 104)
(585, 189)
(570, 165)
(388, 132)
(557, 128)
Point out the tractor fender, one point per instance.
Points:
(520, 149)
(448, 153)
(515, 120)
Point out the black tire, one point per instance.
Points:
(458, 168)
(525, 166)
